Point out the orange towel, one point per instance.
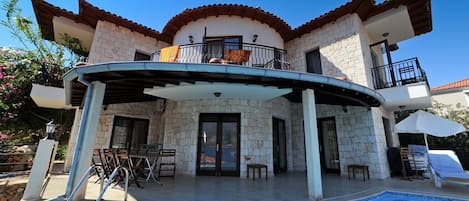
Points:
(169, 54)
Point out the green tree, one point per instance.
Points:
(460, 142)
(38, 61)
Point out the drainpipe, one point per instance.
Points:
(81, 134)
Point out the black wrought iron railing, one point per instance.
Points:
(245, 54)
(398, 74)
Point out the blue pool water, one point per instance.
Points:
(395, 196)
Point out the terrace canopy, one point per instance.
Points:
(92, 86)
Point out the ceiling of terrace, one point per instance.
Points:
(196, 81)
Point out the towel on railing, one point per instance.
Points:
(169, 54)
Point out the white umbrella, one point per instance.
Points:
(427, 123)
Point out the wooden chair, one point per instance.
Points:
(237, 56)
(408, 163)
(99, 161)
(123, 160)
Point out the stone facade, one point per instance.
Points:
(344, 49)
(360, 136)
(341, 47)
(143, 110)
(114, 43)
(182, 122)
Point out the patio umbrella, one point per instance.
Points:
(429, 124)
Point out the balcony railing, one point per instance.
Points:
(245, 54)
(398, 74)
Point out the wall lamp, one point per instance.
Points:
(344, 108)
(254, 38)
(191, 39)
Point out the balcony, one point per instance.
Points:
(244, 54)
(403, 84)
(398, 74)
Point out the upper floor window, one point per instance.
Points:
(141, 56)
(313, 62)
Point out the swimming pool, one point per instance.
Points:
(396, 196)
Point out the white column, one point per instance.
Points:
(42, 162)
(313, 162)
(87, 146)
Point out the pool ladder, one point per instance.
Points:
(102, 189)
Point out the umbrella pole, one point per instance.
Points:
(426, 141)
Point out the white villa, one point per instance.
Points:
(227, 85)
(453, 94)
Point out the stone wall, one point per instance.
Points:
(360, 136)
(341, 47)
(142, 110)
(115, 43)
(182, 122)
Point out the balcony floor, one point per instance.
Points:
(291, 186)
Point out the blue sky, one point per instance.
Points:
(443, 53)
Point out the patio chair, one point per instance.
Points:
(446, 167)
(110, 160)
(233, 56)
(123, 160)
(98, 161)
(419, 156)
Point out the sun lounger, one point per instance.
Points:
(446, 167)
(419, 157)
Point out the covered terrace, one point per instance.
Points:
(92, 86)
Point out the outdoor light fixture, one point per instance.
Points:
(50, 128)
(254, 38)
(217, 94)
(344, 108)
(191, 39)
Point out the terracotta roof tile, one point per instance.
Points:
(193, 14)
(452, 85)
(419, 11)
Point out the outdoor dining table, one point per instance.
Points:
(148, 163)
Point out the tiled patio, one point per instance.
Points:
(291, 186)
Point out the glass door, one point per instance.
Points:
(208, 146)
(328, 145)
(279, 145)
(218, 145)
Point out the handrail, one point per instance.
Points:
(101, 176)
(83, 178)
(109, 181)
(398, 74)
(246, 54)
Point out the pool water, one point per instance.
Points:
(395, 196)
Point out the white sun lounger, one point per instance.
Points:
(446, 167)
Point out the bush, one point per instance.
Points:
(61, 152)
